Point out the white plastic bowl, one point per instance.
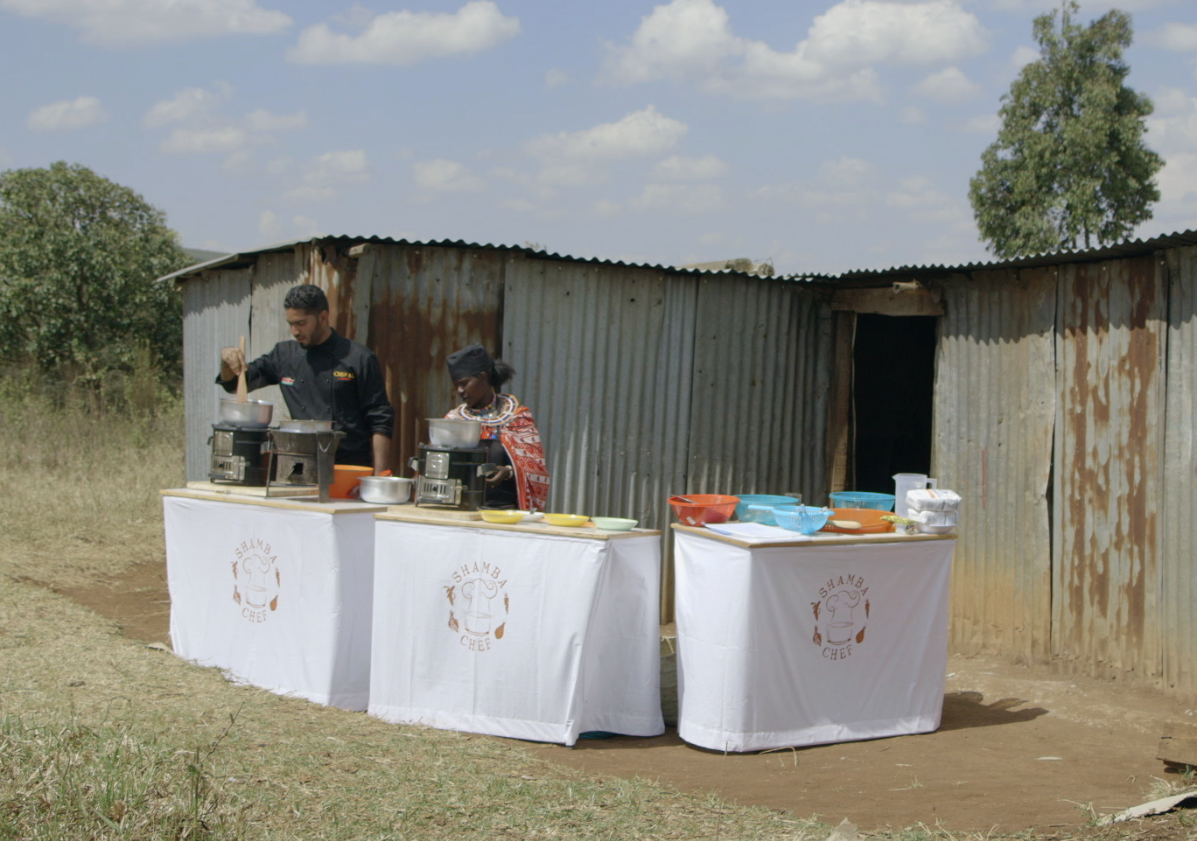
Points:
(926, 529)
(456, 434)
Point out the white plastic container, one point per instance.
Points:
(932, 499)
(904, 482)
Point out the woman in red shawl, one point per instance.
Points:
(508, 431)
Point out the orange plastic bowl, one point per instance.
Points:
(345, 479)
(869, 519)
(704, 508)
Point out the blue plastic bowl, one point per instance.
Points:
(801, 518)
(746, 515)
(862, 499)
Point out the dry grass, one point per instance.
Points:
(104, 738)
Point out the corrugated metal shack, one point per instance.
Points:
(1063, 413)
(645, 381)
(1055, 393)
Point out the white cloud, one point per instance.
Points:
(405, 37)
(555, 78)
(644, 132)
(305, 226)
(68, 115)
(680, 168)
(444, 176)
(263, 121)
(1178, 36)
(1172, 130)
(270, 229)
(123, 22)
(687, 198)
(910, 114)
(1023, 56)
(947, 85)
(186, 105)
(918, 195)
(185, 141)
(847, 172)
(692, 41)
(325, 175)
(204, 130)
(989, 124)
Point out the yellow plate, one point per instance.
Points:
(566, 519)
(502, 516)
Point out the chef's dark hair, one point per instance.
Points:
(306, 297)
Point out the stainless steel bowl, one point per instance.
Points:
(305, 425)
(252, 413)
(385, 490)
(454, 433)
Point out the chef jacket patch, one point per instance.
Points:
(343, 375)
(478, 604)
(287, 381)
(843, 608)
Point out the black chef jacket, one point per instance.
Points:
(338, 380)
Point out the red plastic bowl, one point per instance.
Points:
(704, 508)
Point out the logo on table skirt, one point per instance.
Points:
(257, 579)
(841, 616)
(478, 604)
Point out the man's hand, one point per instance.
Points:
(232, 363)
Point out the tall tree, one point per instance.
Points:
(1069, 167)
(78, 259)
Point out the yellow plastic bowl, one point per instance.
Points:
(566, 519)
(492, 515)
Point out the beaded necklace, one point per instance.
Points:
(498, 412)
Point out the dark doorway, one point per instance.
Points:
(893, 362)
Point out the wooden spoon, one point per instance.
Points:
(242, 383)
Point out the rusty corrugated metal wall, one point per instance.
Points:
(992, 443)
(1178, 513)
(411, 304)
(1109, 467)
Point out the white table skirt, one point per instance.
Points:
(516, 634)
(805, 645)
(276, 595)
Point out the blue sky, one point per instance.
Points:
(822, 136)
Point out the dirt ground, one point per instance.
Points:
(1018, 747)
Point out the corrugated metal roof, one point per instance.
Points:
(1129, 248)
(247, 257)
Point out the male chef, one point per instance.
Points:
(323, 376)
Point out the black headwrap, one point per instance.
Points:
(470, 360)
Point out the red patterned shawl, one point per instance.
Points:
(519, 436)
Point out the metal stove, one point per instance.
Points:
(303, 461)
(240, 455)
(451, 477)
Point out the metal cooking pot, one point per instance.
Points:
(385, 490)
(251, 413)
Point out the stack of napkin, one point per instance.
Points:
(933, 507)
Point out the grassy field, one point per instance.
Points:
(102, 737)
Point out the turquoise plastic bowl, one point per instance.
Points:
(801, 518)
(862, 499)
(745, 514)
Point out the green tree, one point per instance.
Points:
(78, 259)
(1069, 166)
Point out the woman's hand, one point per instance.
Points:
(501, 475)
